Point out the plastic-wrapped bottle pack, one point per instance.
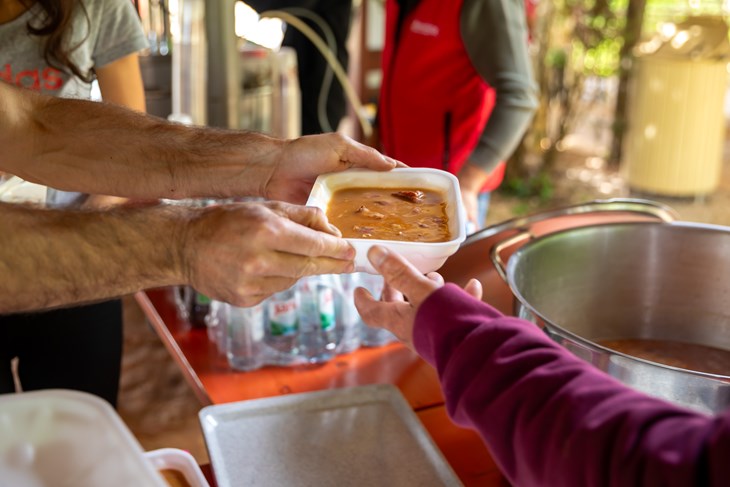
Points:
(312, 322)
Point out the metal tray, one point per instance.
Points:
(356, 436)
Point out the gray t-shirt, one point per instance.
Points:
(109, 31)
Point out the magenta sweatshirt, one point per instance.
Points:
(551, 419)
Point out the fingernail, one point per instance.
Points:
(349, 253)
(377, 255)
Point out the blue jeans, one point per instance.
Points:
(482, 209)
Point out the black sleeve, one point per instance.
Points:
(495, 36)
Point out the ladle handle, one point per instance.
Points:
(523, 224)
(496, 252)
(616, 205)
(629, 205)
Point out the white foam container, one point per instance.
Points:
(180, 460)
(425, 256)
(60, 437)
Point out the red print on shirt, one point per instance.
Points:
(49, 79)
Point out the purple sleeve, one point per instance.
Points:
(549, 418)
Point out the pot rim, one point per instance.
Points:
(549, 324)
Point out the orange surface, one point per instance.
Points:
(214, 382)
(463, 448)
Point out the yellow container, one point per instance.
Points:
(676, 132)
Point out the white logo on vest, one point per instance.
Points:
(423, 28)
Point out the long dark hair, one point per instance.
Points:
(55, 27)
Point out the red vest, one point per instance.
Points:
(433, 103)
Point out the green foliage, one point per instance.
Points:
(574, 40)
(602, 60)
(557, 57)
(539, 186)
(598, 29)
(596, 37)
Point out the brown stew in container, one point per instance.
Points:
(174, 478)
(403, 214)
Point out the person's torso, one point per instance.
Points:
(99, 32)
(433, 104)
(22, 62)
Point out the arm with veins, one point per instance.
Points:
(77, 145)
(50, 257)
(235, 253)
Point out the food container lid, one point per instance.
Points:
(365, 435)
(60, 437)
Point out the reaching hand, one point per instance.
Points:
(394, 313)
(302, 160)
(243, 253)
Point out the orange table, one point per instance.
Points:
(213, 382)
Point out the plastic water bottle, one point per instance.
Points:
(317, 334)
(200, 308)
(371, 336)
(282, 329)
(183, 301)
(348, 319)
(216, 320)
(245, 346)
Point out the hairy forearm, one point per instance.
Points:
(51, 258)
(99, 148)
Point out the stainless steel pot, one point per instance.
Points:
(663, 281)
(472, 260)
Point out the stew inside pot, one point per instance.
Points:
(700, 358)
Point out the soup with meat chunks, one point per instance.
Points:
(404, 214)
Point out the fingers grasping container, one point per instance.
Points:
(406, 289)
(395, 313)
(245, 252)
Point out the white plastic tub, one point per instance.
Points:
(60, 437)
(180, 460)
(425, 256)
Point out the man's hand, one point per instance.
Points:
(301, 160)
(402, 279)
(243, 253)
(235, 253)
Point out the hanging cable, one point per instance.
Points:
(322, 116)
(315, 39)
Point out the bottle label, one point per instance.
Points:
(283, 320)
(326, 305)
(202, 299)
